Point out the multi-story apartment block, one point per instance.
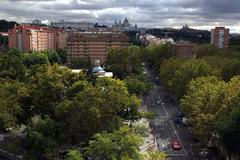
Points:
(84, 46)
(77, 25)
(220, 37)
(27, 38)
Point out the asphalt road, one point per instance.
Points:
(164, 127)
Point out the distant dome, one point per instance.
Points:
(98, 70)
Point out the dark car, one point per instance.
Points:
(177, 120)
(180, 114)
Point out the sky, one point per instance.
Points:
(198, 14)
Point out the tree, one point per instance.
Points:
(121, 144)
(34, 58)
(156, 54)
(207, 50)
(186, 71)
(136, 86)
(11, 109)
(63, 55)
(124, 61)
(53, 57)
(231, 70)
(118, 101)
(168, 70)
(155, 156)
(230, 132)
(74, 155)
(103, 107)
(40, 139)
(11, 66)
(227, 65)
(49, 86)
(202, 104)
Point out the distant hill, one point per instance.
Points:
(5, 25)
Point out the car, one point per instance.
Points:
(180, 114)
(175, 144)
(177, 120)
(158, 102)
(185, 121)
(203, 153)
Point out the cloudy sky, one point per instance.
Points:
(199, 14)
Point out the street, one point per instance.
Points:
(163, 126)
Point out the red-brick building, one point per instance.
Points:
(184, 50)
(84, 46)
(220, 37)
(36, 38)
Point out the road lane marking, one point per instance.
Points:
(185, 152)
(175, 131)
(163, 107)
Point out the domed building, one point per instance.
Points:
(99, 71)
(125, 26)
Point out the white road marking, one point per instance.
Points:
(163, 106)
(191, 150)
(175, 131)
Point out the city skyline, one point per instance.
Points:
(198, 14)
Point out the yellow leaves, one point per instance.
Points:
(155, 155)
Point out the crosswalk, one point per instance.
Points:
(161, 122)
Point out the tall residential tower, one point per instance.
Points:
(220, 37)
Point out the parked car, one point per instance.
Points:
(158, 102)
(177, 120)
(180, 114)
(175, 144)
(184, 120)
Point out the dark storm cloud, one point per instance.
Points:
(151, 13)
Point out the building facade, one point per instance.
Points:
(37, 22)
(125, 26)
(85, 26)
(35, 38)
(92, 46)
(220, 37)
(184, 50)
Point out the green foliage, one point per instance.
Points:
(201, 104)
(155, 156)
(148, 115)
(80, 64)
(93, 109)
(6, 25)
(34, 58)
(121, 144)
(168, 69)
(141, 130)
(176, 74)
(212, 108)
(47, 89)
(136, 86)
(124, 61)
(40, 139)
(63, 55)
(156, 54)
(207, 50)
(49, 86)
(10, 106)
(230, 131)
(74, 155)
(4, 40)
(53, 57)
(228, 66)
(11, 66)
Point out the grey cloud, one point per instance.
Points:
(143, 12)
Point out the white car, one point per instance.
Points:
(185, 121)
(158, 102)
